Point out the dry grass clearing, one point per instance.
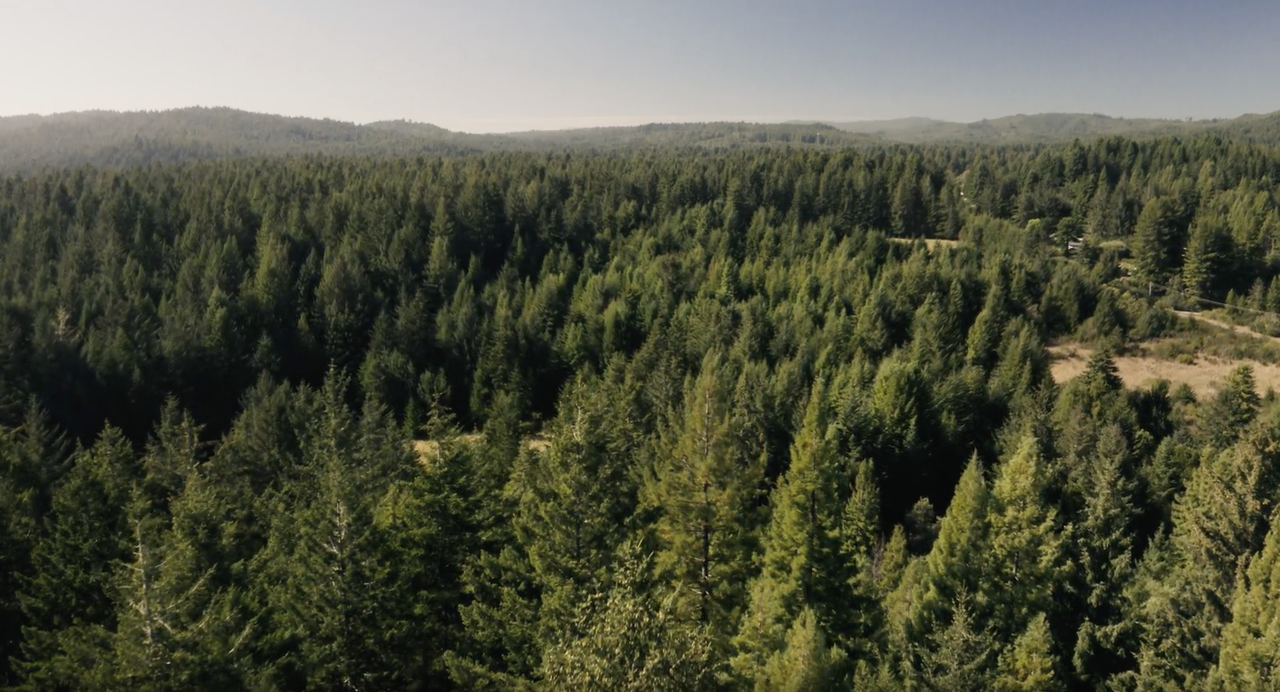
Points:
(1233, 328)
(1203, 374)
(430, 449)
(931, 243)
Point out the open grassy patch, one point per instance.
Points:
(1167, 359)
(428, 450)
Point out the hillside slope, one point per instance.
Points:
(104, 138)
(30, 143)
(122, 139)
(1054, 127)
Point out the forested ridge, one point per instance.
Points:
(1059, 127)
(33, 143)
(661, 419)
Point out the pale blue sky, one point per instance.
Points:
(501, 65)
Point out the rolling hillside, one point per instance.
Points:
(108, 138)
(1054, 127)
(105, 138)
(30, 143)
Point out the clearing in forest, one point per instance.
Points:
(931, 243)
(430, 449)
(1203, 373)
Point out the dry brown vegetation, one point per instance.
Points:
(1203, 373)
(931, 243)
(430, 449)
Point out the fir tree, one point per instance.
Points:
(326, 553)
(1229, 414)
(1250, 651)
(1028, 665)
(706, 485)
(963, 539)
(630, 636)
(805, 663)
(802, 561)
(70, 598)
(1026, 550)
(959, 657)
(1104, 548)
(1219, 519)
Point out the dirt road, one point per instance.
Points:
(1199, 317)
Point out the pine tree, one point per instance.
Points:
(70, 599)
(1159, 236)
(1029, 665)
(957, 658)
(317, 573)
(1219, 519)
(705, 485)
(32, 457)
(574, 500)
(891, 562)
(985, 334)
(1229, 414)
(870, 565)
(171, 457)
(802, 562)
(1206, 266)
(936, 336)
(956, 563)
(860, 522)
(441, 270)
(805, 663)
(898, 430)
(1104, 549)
(872, 334)
(16, 536)
(630, 636)
(1026, 550)
(173, 630)
(1249, 658)
(176, 625)
(429, 536)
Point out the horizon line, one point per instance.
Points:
(524, 125)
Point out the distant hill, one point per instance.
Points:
(108, 138)
(707, 135)
(1262, 129)
(890, 127)
(1055, 127)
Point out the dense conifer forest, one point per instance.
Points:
(31, 144)
(662, 418)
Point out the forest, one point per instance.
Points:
(778, 417)
(30, 144)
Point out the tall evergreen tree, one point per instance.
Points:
(706, 486)
(630, 636)
(1029, 665)
(70, 599)
(1229, 414)
(959, 657)
(1104, 556)
(1250, 651)
(1160, 237)
(803, 566)
(1219, 519)
(805, 663)
(318, 572)
(1026, 558)
(953, 569)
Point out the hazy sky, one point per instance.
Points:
(498, 65)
